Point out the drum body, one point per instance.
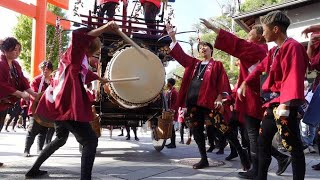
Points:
(127, 63)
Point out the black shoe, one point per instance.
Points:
(128, 138)
(120, 134)
(282, 165)
(181, 142)
(211, 148)
(171, 146)
(1, 164)
(248, 175)
(201, 164)
(316, 167)
(221, 151)
(136, 138)
(35, 173)
(231, 156)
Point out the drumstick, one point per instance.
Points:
(124, 79)
(135, 45)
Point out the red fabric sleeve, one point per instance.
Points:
(179, 55)
(293, 65)
(91, 76)
(240, 48)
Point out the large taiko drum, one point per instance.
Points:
(127, 63)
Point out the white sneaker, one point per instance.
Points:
(311, 149)
(306, 151)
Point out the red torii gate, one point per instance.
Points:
(40, 17)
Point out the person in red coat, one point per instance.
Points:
(250, 53)
(313, 52)
(283, 91)
(203, 83)
(13, 83)
(172, 99)
(108, 7)
(38, 84)
(66, 102)
(151, 8)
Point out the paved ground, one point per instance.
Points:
(121, 159)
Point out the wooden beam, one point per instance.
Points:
(60, 3)
(30, 10)
(20, 7)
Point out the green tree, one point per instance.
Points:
(250, 5)
(23, 32)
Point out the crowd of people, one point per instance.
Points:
(266, 100)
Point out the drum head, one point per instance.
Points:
(130, 63)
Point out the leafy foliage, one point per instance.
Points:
(250, 5)
(23, 32)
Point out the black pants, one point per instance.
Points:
(196, 117)
(214, 136)
(150, 13)
(134, 129)
(35, 129)
(84, 135)
(253, 126)
(290, 133)
(49, 135)
(182, 126)
(14, 113)
(24, 115)
(109, 9)
(3, 115)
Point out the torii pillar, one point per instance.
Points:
(40, 17)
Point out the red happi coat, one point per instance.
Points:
(99, 2)
(315, 61)
(155, 2)
(215, 80)
(8, 84)
(286, 72)
(66, 97)
(35, 85)
(250, 54)
(172, 98)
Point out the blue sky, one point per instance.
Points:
(187, 13)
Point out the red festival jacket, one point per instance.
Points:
(250, 54)
(286, 71)
(8, 85)
(35, 85)
(215, 80)
(155, 2)
(99, 2)
(66, 97)
(172, 98)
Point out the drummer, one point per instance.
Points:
(66, 102)
(39, 84)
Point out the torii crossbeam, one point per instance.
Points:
(40, 16)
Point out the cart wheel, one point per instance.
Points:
(158, 144)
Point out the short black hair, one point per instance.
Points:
(171, 81)
(207, 44)
(9, 44)
(46, 64)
